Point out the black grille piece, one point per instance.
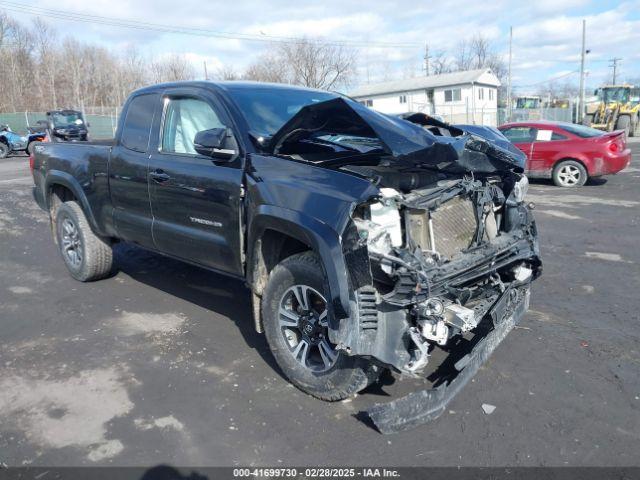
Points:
(367, 309)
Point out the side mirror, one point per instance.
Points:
(213, 143)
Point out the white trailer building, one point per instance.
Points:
(461, 97)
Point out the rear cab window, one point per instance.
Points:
(136, 129)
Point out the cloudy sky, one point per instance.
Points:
(390, 36)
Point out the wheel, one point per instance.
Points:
(624, 123)
(587, 120)
(569, 173)
(634, 130)
(295, 317)
(4, 150)
(86, 256)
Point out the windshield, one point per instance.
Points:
(581, 130)
(67, 119)
(618, 94)
(267, 109)
(527, 102)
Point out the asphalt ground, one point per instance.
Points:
(160, 363)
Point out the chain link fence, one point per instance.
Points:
(102, 126)
(535, 114)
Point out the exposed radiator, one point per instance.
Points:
(453, 225)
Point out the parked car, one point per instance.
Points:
(67, 126)
(11, 142)
(568, 153)
(367, 241)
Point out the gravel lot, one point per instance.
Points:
(160, 364)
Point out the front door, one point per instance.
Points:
(546, 149)
(522, 137)
(195, 199)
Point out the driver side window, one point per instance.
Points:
(184, 117)
(520, 134)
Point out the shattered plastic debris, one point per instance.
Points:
(584, 344)
(488, 409)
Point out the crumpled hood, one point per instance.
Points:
(479, 149)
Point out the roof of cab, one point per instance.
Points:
(222, 85)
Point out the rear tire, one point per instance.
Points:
(569, 174)
(296, 332)
(4, 150)
(87, 256)
(624, 123)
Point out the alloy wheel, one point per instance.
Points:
(71, 242)
(569, 175)
(303, 322)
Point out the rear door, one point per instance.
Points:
(128, 168)
(195, 200)
(522, 136)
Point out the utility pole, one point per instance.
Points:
(509, 110)
(614, 64)
(206, 75)
(582, 55)
(426, 59)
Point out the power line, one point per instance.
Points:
(614, 65)
(163, 28)
(573, 72)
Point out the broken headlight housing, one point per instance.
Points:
(520, 189)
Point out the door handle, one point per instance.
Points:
(159, 176)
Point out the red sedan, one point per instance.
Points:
(567, 153)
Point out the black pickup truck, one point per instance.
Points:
(368, 241)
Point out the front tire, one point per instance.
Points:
(295, 317)
(569, 174)
(4, 150)
(86, 256)
(624, 123)
(635, 124)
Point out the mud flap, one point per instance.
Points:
(418, 408)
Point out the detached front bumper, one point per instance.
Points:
(421, 407)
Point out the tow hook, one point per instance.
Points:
(419, 363)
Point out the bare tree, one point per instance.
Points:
(74, 61)
(227, 72)
(478, 53)
(269, 67)
(45, 41)
(440, 63)
(319, 65)
(173, 68)
(306, 62)
(41, 72)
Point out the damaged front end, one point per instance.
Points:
(441, 271)
(439, 261)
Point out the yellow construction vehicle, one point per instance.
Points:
(618, 108)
